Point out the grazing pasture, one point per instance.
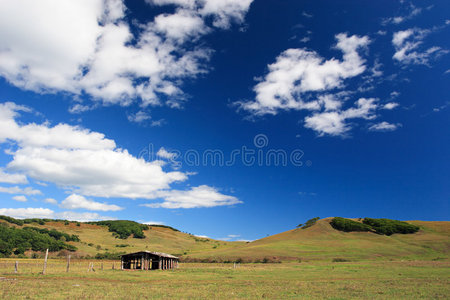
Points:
(308, 280)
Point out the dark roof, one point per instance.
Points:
(153, 253)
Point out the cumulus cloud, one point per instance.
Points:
(88, 47)
(80, 160)
(333, 122)
(201, 196)
(299, 71)
(20, 198)
(384, 126)
(12, 178)
(409, 48)
(29, 191)
(45, 213)
(83, 162)
(75, 201)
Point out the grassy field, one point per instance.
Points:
(312, 280)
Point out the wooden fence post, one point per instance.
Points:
(68, 264)
(113, 267)
(16, 267)
(45, 262)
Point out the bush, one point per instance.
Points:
(124, 229)
(109, 255)
(348, 225)
(388, 227)
(337, 259)
(19, 240)
(62, 236)
(11, 220)
(310, 222)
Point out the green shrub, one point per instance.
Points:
(11, 220)
(388, 227)
(62, 236)
(348, 225)
(124, 229)
(109, 255)
(337, 259)
(310, 222)
(19, 240)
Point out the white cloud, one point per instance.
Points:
(24, 213)
(307, 15)
(153, 223)
(75, 201)
(139, 117)
(20, 198)
(182, 25)
(88, 164)
(442, 107)
(88, 47)
(298, 71)
(225, 12)
(412, 12)
(80, 160)
(45, 213)
(409, 50)
(50, 201)
(79, 108)
(201, 196)
(29, 191)
(12, 178)
(394, 94)
(166, 154)
(390, 105)
(333, 122)
(384, 126)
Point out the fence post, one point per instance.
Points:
(16, 267)
(68, 264)
(45, 262)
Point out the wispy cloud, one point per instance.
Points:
(384, 126)
(409, 49)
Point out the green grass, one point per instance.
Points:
(314, 280)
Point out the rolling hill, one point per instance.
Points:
(317, 242)
(322, 242)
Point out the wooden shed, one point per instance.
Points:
(147, 260)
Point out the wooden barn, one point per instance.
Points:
(147, 260)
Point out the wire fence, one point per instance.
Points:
(55, 266)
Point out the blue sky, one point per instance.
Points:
(232, 119)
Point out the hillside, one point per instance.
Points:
(98, 239)
(323, 242)
(317, 242)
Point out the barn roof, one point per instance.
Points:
(153, 253)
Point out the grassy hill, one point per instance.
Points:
(96, 239)
(317, 242)
(322, 242)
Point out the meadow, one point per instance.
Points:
(307, 280)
